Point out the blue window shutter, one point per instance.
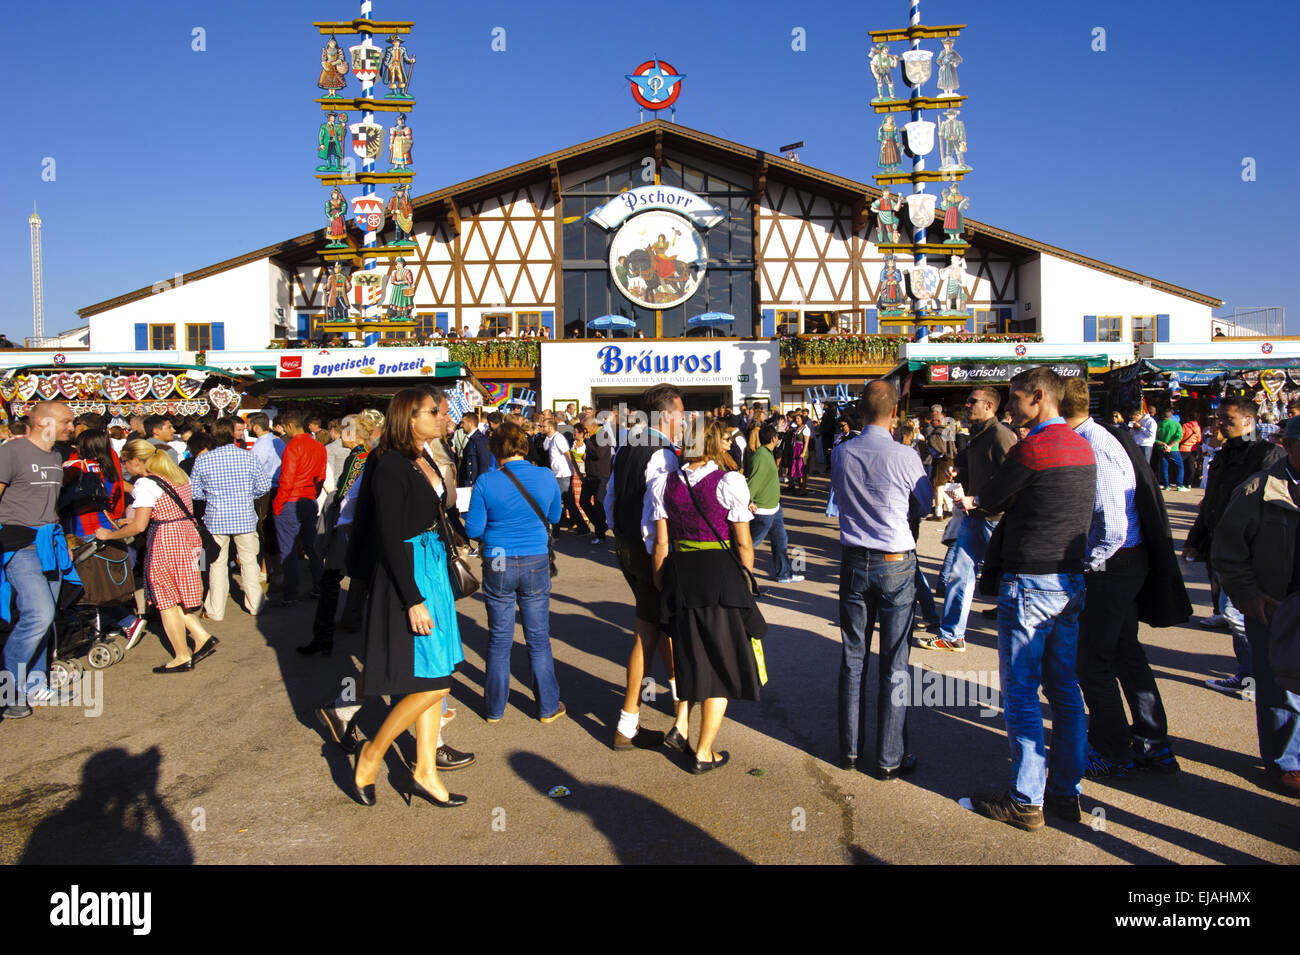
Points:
(970, 321)
(1005, 315)
(141, 336)
(218, 336)
(440, 319)
(768, 325)
(871, 321)
(1090, 328)
(304, 325)
(1162, 328)
(548, 322)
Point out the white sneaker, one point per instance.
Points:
(1215, 622)
(792, 579)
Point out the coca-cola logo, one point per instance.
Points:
(291, 366)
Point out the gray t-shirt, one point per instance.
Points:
(32, 480)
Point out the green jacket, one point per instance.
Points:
(764, 485)
(1254, 544)
(1170, 432)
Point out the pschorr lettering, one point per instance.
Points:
(75, 907)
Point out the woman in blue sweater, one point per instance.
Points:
(516, 567)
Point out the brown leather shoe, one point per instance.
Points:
(644, 739)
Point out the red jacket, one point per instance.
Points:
(302, 471)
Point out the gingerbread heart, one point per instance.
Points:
(163, 385)
(8, 389)
(190, 384)
(48, 387)
(25, 386)
(221, 397)
(137, 386)
(171, 407)
(114, 389)
(202, 406)
(69, 384)
(138, 408)
(98, 407)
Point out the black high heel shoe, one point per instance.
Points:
(364, 794)
(451, 802)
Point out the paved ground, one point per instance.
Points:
(227, 764)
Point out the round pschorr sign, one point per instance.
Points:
(657, 259)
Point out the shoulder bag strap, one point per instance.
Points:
(170, 492)
(550, 539)
(726, 545)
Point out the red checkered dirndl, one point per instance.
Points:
(172, 564)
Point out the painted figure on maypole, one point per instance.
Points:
(948, 62)
(886, 209)
(401, 295)
(403, 216)
(329, 142)
(336, 210)
(889, 295)
(336, 294)
(953, 205)
(396, 69)
(882, 67)
(399, 145)
(891, 153)
(333, 69)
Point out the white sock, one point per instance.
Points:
(439, 736)
(672, 686)
(627, 723)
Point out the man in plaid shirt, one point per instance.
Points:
(230, 479)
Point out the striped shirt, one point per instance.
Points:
(229, 479)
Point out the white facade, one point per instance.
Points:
(1062, 293)
(581, 371)
(242, 301)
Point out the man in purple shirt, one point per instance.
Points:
(877, 481)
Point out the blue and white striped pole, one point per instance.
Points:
(918, 162)
(368, 165)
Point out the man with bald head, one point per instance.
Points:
(877, 482)
(31, 475)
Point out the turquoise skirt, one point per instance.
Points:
(437, 653)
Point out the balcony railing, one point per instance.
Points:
(840, 349)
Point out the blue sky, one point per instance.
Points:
(167, 159)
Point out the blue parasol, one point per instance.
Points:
(610, 322)
(710, 319)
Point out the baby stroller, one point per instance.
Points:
(101, 577)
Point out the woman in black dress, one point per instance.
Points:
(412, 636)
(703, 563)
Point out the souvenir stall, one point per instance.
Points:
(1267, 372)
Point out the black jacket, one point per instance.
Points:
(1163, 600)
(475, 459)
(1236, 461)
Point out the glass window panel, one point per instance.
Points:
(1144, 328)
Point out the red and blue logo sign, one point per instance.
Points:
(655, 84)
(1020, 351)
(1266, 348)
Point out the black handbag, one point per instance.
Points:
(550, 539)
(85, 495)
(463, 582)
(211, 549)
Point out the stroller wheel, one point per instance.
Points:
(61, 673)
(100, 655)
(117, 646)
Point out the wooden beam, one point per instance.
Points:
(760, 178)
(861, 213)
(453, 216)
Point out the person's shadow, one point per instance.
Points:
(117, 818)
(639, 830)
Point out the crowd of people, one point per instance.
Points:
(1059, 516)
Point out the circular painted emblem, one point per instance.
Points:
(1020, 351)
(657, 259)
(1266, 348)
(655, 84)
(60, 358)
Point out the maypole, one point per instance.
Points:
(374, 286)
(937, 297)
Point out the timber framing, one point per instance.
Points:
(657, 136)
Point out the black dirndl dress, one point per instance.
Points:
(710, 616)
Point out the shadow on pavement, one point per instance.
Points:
(658, 836)
(117, 818)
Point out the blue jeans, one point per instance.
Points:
(298, 521)
(1277, 711)
(764, 524)
(1241, 648)
(960, 573)
(527, 581)
(1038, 635)
(925, 597)
(874, 589)
(25, 651)
(1171, 468)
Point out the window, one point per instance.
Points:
(1110, 328)
(500, 322)
(198, 337)
(392, 335)
(787, 323)
(1144, 328)
(529, 322)
(986, 321)
(851, 323)
(162, 337)
(426, 323)
(817, 323)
